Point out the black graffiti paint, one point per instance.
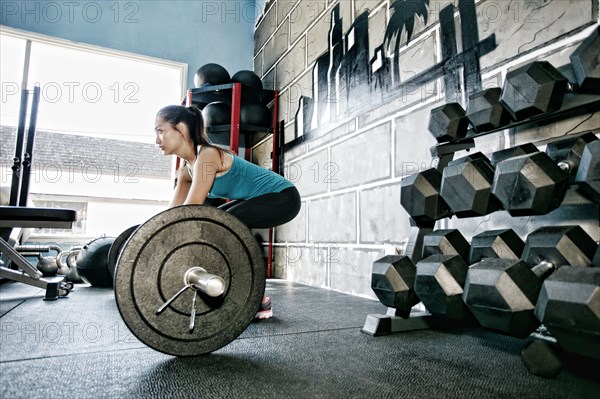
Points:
(402, 20)
(346, 81)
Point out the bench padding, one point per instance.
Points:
(19, 216)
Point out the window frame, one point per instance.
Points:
(46, 39)
(33, 37)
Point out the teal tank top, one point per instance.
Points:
(245, 180)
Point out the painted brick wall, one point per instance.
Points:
(348, 168)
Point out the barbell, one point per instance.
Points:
(189, 280)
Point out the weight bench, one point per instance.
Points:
(19, 216)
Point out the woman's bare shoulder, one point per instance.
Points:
(209, 154)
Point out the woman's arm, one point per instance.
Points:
(183, 187)
(205, 171)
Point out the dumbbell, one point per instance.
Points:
(445, 242)
(431, 195)
(467, 185)
(567, 153)
(420, 196)
(485, 112)
(464, 188)
(448, 122)
(395, 278)
(530, 90)
(533, 89)
(584, 61)
(441, 273)
(571, 291)
(420, 193)
(525, 181)
(496, 244)
(588, 173)
(502, 293)
(535, 184)
(568, 307)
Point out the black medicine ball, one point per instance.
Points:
(252, 85)
(216, 113)
(92, 262)
(211, 74)
(255, 115)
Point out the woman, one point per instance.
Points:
(259, 197)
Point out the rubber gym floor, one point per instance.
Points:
(79, 347)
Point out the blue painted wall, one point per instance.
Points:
(195, 32)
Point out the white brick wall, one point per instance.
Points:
(350, 219)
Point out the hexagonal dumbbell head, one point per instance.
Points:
(393, 281)
(569, 306)
(467, 185)
(540, 358)
(586, 64)
(420, 196)
(512, 152)
(567, 152)
(439, 284)
(529, 184)
(501, 294)
(496, 244)
(588, 173)
(533, 89)
(445, 242)
(560, 246)
(596, 260)
(448, 122)
(485, 112)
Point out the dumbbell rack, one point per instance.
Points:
(574, 104)
(204, 95)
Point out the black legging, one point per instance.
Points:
(268, 210)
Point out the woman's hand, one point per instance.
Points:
(183, 187)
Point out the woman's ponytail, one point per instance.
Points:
(195, 124)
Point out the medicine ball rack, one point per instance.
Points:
(231, 93)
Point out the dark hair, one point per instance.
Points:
(191, 117)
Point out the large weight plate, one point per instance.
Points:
(151, 270)
(116, 247)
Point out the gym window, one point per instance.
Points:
(88, 89)
(95, 127)
(78, 227)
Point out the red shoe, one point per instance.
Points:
(265, 311)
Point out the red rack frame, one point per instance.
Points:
(234, 142)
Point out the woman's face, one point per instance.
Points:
(168, 138)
